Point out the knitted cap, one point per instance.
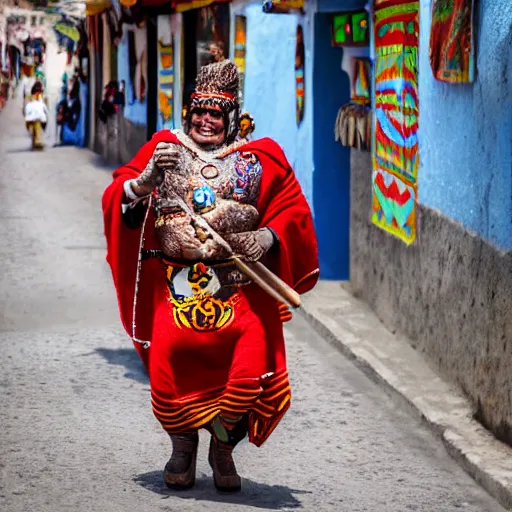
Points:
(217, 84)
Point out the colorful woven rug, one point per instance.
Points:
(452, 49)
(395, 159)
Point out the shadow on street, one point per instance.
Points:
(268, 497)
(129, 359)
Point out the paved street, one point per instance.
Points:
(76, 428)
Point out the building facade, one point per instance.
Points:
(450, 291)
(449, 288)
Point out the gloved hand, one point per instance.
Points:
(252, 245)
(151, 177)
(166, 156)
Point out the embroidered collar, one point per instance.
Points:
(206, 155)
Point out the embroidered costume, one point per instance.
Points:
(215, 346)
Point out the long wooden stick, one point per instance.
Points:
(291, 296)
(261, 275)
(261, 282)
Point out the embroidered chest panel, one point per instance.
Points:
(203, 181)
(223, 189)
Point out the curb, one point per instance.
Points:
(402, 372)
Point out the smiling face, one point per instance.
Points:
(207, 126)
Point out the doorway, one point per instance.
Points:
(331, 177)
(206, 39)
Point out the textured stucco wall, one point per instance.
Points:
(466, 130)
(450, 293)
(270, 86)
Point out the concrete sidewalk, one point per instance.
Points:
(352, 327)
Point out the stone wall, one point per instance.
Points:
(131, 138)
(118, 140)
(450, 293)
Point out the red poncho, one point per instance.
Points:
(236, 370)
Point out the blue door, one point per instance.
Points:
(331, 177)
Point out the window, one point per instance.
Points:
(350, 29)
(33, 21)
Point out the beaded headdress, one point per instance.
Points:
(217, 84)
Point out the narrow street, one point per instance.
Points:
(77, 431)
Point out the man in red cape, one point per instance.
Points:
(211, 340)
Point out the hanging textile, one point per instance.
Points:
(395, 161)
(300, 72)
(165, 73)
(353, 127)
(452, 48)
(239, 57)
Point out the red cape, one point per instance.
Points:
(282, 207)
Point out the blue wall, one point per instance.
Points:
(136, 113)
(270, 86)
(466, 131)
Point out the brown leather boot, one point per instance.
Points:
(225, 477)
(180, 471)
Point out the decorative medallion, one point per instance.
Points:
(209, 172)
(203, 198)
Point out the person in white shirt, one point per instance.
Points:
(36, 115)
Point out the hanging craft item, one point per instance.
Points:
(240, 42)
(452, 48)
(361, 92)
(282, 6)
(165, 73)
(300, 68)
(353, 125)
(395, 159)
(166, 83)
(351, 29)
